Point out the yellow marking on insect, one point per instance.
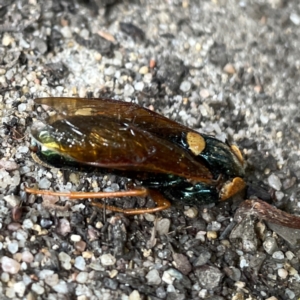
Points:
(195, 142)
(231, 188)
(86, 111)
(237, 153)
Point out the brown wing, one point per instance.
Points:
(105, 141)
(124, 112)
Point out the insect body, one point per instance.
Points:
(109, 136)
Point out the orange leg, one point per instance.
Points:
(161, 202)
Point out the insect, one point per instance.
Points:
(170, 160)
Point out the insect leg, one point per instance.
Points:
(160, 201)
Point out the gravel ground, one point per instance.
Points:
(226, 68)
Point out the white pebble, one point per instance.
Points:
(20, 288)
(27, 224)
(153, 277)
(82, 277)
(9, 265)
(185, 86)
(13, 247)
(191, 213)
(37, 288)
(135, 295)
(8, 165)
(22, 107)
(12, 200)
(75, 238)
(10, 293)
(23, 149)
(66, 32)
(274, 182)
(167, 278)
(4, 277)
(80, 263)
(43, 274)
(61, 287)
(128, 90)
(282, 273)
(110, 71)
(278, 255)
(139, 86)
(295, 18)
(44, 183)
(27, 256)
(107, 260)
(163, 226)
(65, 260)
(52, 280)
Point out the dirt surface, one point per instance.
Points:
(225, 68)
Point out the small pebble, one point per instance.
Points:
(212, 235)
(107, 260)
(43, 274)
(75, 238)
(149, 217)
(4, 277)
(290, 294)
(66, 32)
(203, 257)
(52, 280)
(23, 149)
(87, 254)
(139, 86)
(37, 288)
(135, 295)
(10, 293)
(12, 200)
(229, 69)
(128, 90)
(191, 213)
(20, 288)
(82, 277)
(80, 263)
(282, 273)
(215, 226)
(7, 39)
(9, 265)
(144, 70)
(204, 93)
(270, 245)
(27, 256)
(185, 86)
(274, 182)
(8, 165)
(182, 263)
(80, 246)
(278, 255)
(13, 247)
(22, 107)
(167, 278)
(61, 287)
(289, 255)
(153, 277)
(163, 226)
(63, 227)
(27, 224)
(44, 183)
(295, 18)
(65, 260)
